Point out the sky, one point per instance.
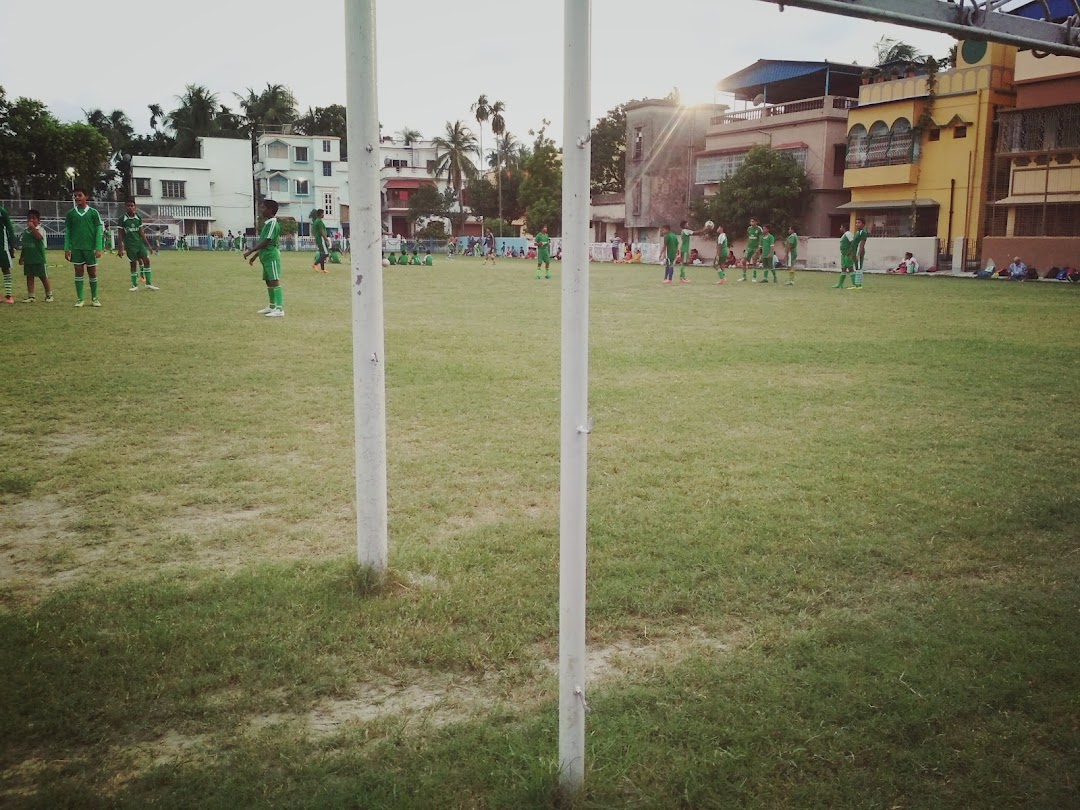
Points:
(435, 57)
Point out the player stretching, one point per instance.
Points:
(768, 261)
(83, 237)
(861, 235)
(543, 253)
(753, 244)
(270, 257)
(322, 243)
(133, 240)
(722, 252)
(7, 252)
(792, 243)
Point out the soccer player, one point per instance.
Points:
(32, 258)
(489, 247)
(7, 252)
(685, 233)
(861, 235)
(133, 240)
(669, 250)
(792, 243)
(753, 244)
(83, 238)
(723, 250)
(270, 257)
(322, 242)
(847, 257)
(768, 241)
(543, 252)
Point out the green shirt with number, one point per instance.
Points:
(271, 234)
(132, 227)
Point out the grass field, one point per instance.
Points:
(834, 544)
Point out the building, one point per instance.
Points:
(1035, 188)
(800, 108)
(607, 217)
(303, 173)
(407, 167)
(195, 196)
(919, 145)
(662, 137)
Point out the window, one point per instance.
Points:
(326, 146)
(900, 142)
(302, 188)
(877, 145)
(279, 183)
(142, 187)
(714, 168)
(637, 198)
(173, 189)
(639, 147)
(277, 149)
(399, 164)
(301, 154)
(327, 169)
(839, 158)
(431, 165)
(935, 135)
(960, 132)
(857, 143)
(328, 204)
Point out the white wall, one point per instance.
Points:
(881, 254)
(229, 162)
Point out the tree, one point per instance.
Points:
(409, 135)
(274, 106)
(482, 110)
(453, 155)
(887, 50)
(330, 120)
(194, 117)
(541, 189)
(608, 152)
(428, 201)
(498, 129)
(117, 130)
(768, 185)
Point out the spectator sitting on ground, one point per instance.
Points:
(1017, 270)
(912, 264)
(899, 269)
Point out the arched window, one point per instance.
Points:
(877, 146)
(856, 147)
(900, 142)
(279, 183)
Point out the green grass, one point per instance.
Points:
(833, 544)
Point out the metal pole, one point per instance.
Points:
(575, 424)
(369, 378)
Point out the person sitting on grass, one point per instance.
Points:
(1017, 270)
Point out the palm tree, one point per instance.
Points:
(274, 106)
(409, 135)
(453, 155)
(196, 116)
(498, 128)
(482, 110)
(888, 50)
(156, 115)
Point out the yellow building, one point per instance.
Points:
(919, 147)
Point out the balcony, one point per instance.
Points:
(804, 109)
(274, 164)
(903, 174)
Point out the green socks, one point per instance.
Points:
(148, 276)
(270, 295)
(135, 279)
(79, 287)
(279, 297)
(843, 278)
(93, 288)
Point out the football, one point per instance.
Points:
(709, 225)
(385, 262)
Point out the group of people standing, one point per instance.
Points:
(760, 247)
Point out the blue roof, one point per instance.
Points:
(788, 80)
(1060, 10)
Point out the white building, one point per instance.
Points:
(405, 168)
(302, 173)
(212, 192)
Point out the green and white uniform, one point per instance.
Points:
(723, 250)
(322, 243)
(543, 253)
(669, 250)
(270, 258)
(792, 242)
(83, 235)
(7, 248)
(33, 255)
(847, 256)
(134, 244)
(768, 242)
(753, 241)
(858, 252)
(684, 247)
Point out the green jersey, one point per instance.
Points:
(847, 245)
(792, 242)
(861, 236)
(685, 246)
(318, 231)
(33, 249)
(132, 228)
(767, 242)
(722, 245)
(671, 245)
(271, 234)
(753, 237)
(543, 243)
(7, 232)
(83, 229)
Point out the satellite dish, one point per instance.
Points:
(386, 162)
(759, 99)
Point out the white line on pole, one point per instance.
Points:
(365, 237)
(575, 393)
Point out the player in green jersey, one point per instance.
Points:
(753, 245)
(792, 243)
(32, 258)
(543, 252)
(270, 256)
(7, 252)
(768, 261)
(133, 240)
(723, 250)
(83, 237)
(322, 242)
(669, 251)
(847, 258)
(859, 252)
(685, 232)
